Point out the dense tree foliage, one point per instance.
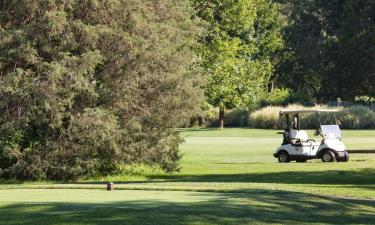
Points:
(237, 50)
(88, 85)
(330, 49)
(350, 49)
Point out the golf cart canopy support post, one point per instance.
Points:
(320, 123)
(294, 114)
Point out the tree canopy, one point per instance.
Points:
(329, 51)
(87, 86)
(237, 50)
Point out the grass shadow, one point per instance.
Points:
(329, 177)
(258, 206)
(333, 177)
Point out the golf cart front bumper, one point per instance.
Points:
(275, 155)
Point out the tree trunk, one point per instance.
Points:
(201, 120)
(221, 118)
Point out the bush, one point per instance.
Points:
(212, 116)
(232, 118)
(302, 97)
(365, 99)
(236, 118)
(275, 97)
(89, 146)
(357, 117)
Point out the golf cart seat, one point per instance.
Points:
(298, 136)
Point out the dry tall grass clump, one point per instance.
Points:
(354, 117)
(268, 117)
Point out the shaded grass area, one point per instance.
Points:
(140, 207)
(365, 176)
(227, 177)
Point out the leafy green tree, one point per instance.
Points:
(237, 50)
(89, 85)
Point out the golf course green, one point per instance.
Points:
(227, 177)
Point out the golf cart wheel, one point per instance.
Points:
(345, 158)
(283, 157)
(328, 156)
(301, 160)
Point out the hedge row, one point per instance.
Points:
(354, 117)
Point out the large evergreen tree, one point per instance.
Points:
(88, 85)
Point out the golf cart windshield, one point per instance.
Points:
(331, 131)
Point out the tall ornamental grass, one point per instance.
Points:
(268, 117)
(355, 117)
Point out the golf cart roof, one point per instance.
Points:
(296, 111)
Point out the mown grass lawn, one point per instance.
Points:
(75, 207)
(226, 177)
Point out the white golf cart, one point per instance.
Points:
(297, 146)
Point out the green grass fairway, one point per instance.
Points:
(75, 207)
(227, 177)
